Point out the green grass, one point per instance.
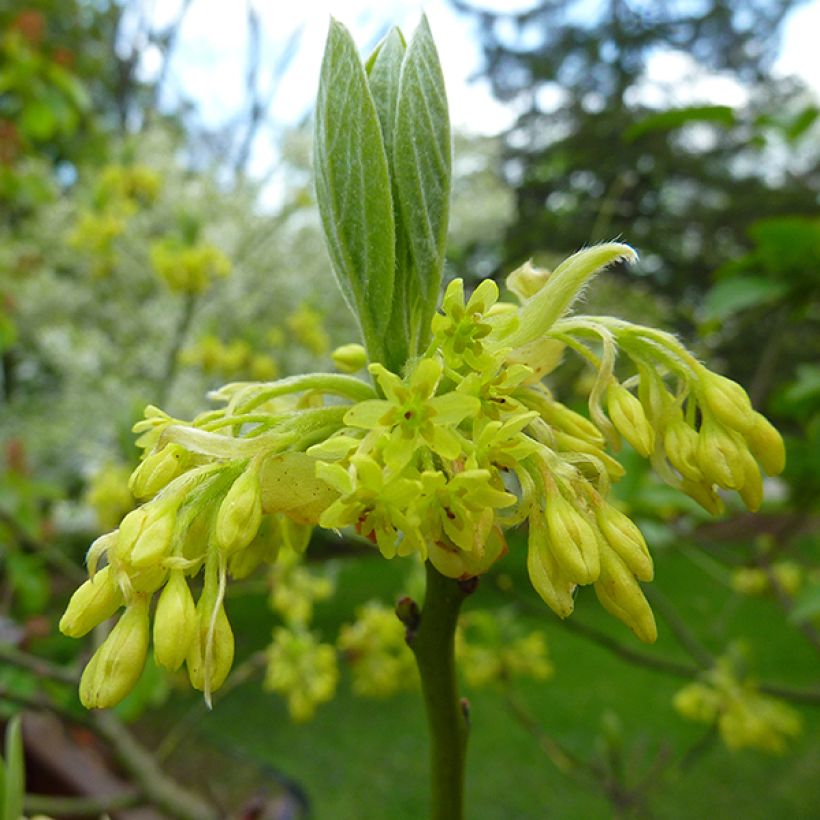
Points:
(362, 759)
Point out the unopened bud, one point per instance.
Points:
(719, 455)
(545, 574)
(766, 445)
(116, 666)
(573, 540)
(93, 602)
(527, 280)
(704, 495)
(240, 513)
(175, 622)
(680, 441)
(349, 358)
(752, 490)
(572, 423)
(621, 595)
(630, 421)
(626, 539)
(128, 533)
(209, 663)
(154, 540)
(157, 470)
(728, 402)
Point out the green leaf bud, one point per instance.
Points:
(240, 513)
(116, 666)
(626, 540)
(621, 595)
(94, 602)
(157, 470)
(728, 401)
(630, 421)
(350, 358)
(574, 543)
(766, 445)
(175, 622)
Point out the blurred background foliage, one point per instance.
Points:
(143, 261)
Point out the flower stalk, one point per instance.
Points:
(432, 639)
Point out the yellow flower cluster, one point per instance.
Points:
(494, 649)
(302, 669)
(744, 717)
(234, 358)
(375, 648)
(788, 575)
(109, 496)
(440, 460)
(188, 268)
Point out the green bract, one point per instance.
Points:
(456, 440)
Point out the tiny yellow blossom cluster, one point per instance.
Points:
(188, 268)
(234, 358)
(744, 717)
(435, 462)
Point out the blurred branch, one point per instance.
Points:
(80, 806)
(40, 666)
(141, 766)
(172, 361)
(680, 629)
(167, 41)
(259, 102)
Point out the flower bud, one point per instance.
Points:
(116, 666)
(680, 441)
(752, 490)
(630, 421)
(175, 622)
(573, 540)
(719, 455)
(728, 402)
(94, 602)
(527, 280)
(766, 445)
(626, 539)
(621, 595)
(154, 541)
(208, 670)
(157, 470)
(349, 358)
(572, 423)
(240, 513)
(545, 574)
(129, 531)
(704, 495)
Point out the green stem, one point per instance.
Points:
(433, 644)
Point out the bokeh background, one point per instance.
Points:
(159, 236)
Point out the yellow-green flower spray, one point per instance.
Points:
(452, 440)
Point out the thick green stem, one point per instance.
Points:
(433, 643)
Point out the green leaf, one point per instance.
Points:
(422, 164)
(353, 188)
(807, 605)
(678, 117)
(740, 293)
(13, 778)
(384, 72)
